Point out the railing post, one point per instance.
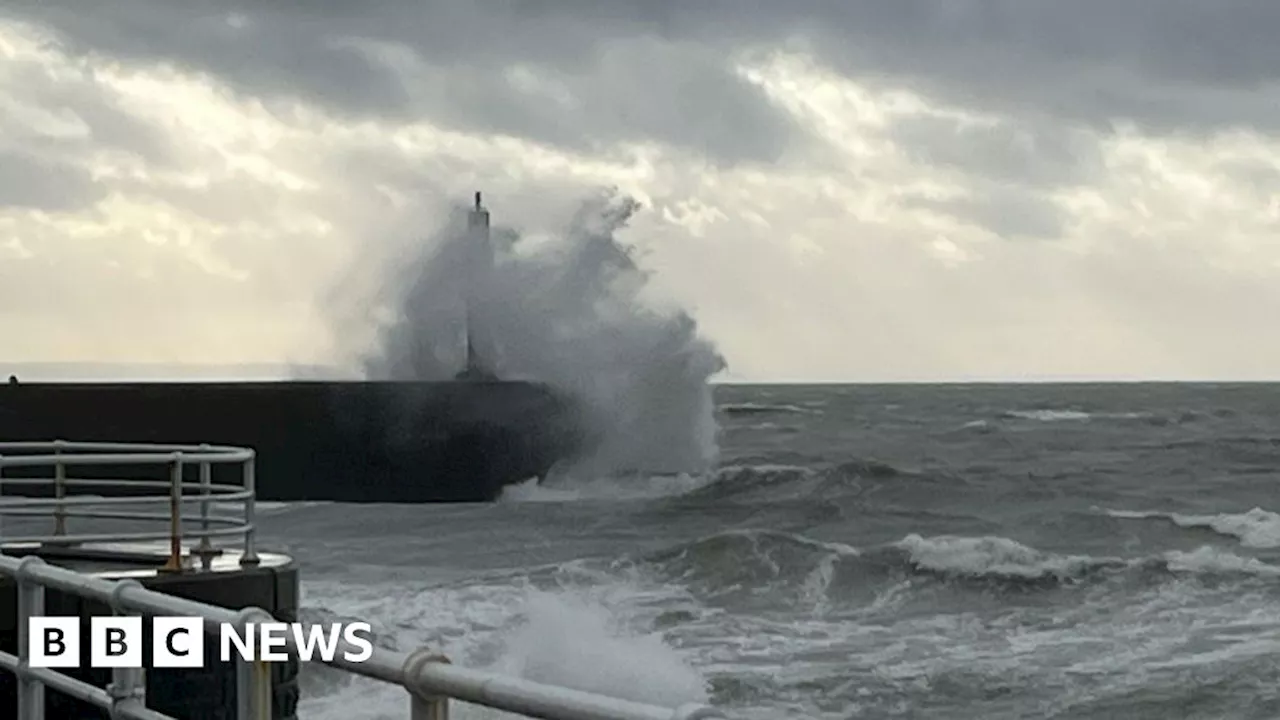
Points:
(696, 711)
(128, 687)
(432, 708)
(59, 491)
(250, 556)
(174, 563)
(424, 707)
(205, 549)
(1, 497)
(253, 677)
(30, 604)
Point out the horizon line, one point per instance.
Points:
(260, 371)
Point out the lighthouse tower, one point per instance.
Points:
(479, 258)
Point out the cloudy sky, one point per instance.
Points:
(837, 190)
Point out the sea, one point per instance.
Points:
(974, 551)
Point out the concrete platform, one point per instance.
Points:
(193, 694)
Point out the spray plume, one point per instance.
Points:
(568, 314)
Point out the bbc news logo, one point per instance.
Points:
(178, 642)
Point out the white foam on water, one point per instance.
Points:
(1210, 559)
(570, 641)
(1117, 646)
(565, 487)
(749, 408)
(989, 555)
(593, 639)
(1256, 528)
(1049, 415)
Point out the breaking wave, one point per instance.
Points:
(1256, 528)
(767, 409)
(574, 312)
(736, 481)
(745, 481)
(1050, 415)
(570, 637)
(754, 566)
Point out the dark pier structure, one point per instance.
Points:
(340, 441)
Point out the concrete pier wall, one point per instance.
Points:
(338, 441)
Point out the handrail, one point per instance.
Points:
(430, 680)
(59, 455)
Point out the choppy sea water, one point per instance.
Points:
(862, 552)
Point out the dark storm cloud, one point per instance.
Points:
(1008, 212)
(1165, 64)
(325, 54)
(1258, 175)
(1006, 167)
(1015, 215)
(105, 126)
(31, 183)
(1169, 65)
(1028, 154)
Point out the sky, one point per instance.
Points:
(836, 191)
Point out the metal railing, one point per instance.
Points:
(428, 677)
(59, 455)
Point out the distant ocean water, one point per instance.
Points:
(984, 551)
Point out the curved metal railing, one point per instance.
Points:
(430, 679)
(122, 497)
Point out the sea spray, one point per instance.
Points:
(568, 640)
(570, 313)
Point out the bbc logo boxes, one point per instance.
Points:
(116, 641)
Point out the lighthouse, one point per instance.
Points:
(479, 256)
